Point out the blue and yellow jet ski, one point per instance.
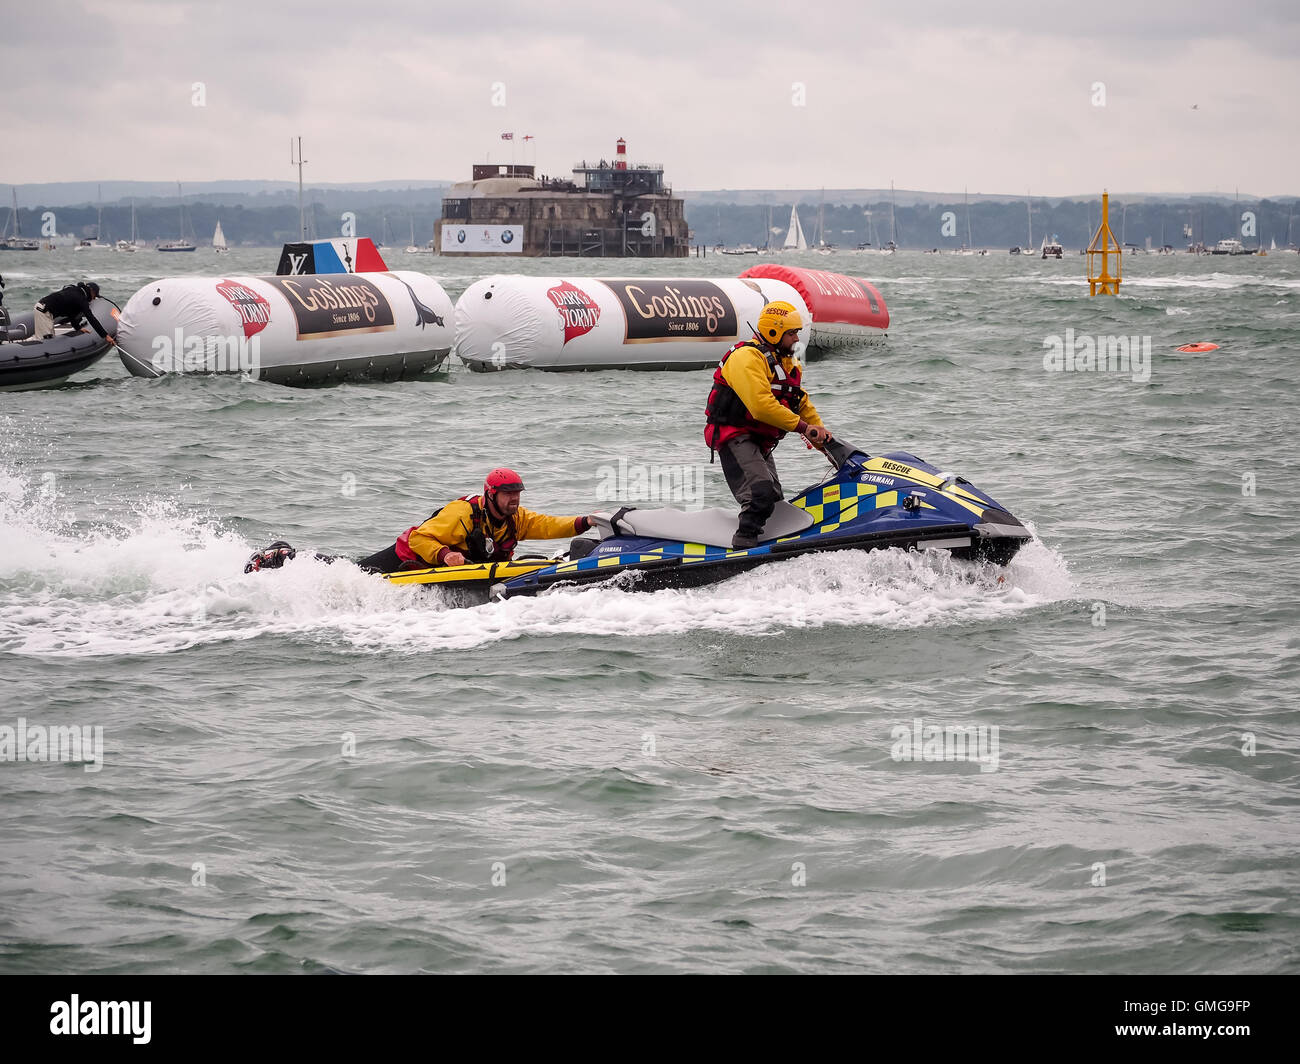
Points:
(867, 503)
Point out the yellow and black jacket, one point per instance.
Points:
(467, 527)
(758, 393)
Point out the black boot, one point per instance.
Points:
(271, 557)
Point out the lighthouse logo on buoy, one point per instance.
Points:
(578, 311)
(254, 310)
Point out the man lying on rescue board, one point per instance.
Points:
(473, 528)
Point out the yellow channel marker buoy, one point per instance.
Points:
(1104, 246)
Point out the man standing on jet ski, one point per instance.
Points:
(473, 528)
(756, 399)
(72, 303)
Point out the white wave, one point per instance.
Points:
(886, 589)
(1212, 280)
(171, 580)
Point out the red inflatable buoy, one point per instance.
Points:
(845, 310)
(1195, 349)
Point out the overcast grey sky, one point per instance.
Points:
(997, 96)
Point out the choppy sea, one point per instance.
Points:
(310, 770)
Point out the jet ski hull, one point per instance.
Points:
(891, 501)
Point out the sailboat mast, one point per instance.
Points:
(302, 224)
(1029, 210)
(893, 228)
(966, 199)
(181, 196)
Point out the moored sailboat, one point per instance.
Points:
(182, 244)
(794, 238)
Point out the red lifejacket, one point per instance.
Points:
(726, 412)
(479, 546)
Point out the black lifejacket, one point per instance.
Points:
(725, 412)
(479, 546)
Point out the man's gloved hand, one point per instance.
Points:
(453, 557)
(816, 435)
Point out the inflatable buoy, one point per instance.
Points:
(1196, 349)
(572, 323)
(298, 329)
(845, 310)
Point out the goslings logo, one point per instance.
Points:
(327, 307)
(682, 310)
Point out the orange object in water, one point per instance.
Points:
(1194, 349)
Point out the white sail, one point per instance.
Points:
(1272, 245)
(219, 238)
(794, 239)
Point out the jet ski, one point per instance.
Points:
(866, 503)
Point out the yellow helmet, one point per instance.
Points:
(778, 319)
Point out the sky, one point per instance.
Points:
(1143, 96)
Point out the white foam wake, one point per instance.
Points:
(166, 580)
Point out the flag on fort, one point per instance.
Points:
(507, 136)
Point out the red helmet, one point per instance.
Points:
(502, 479)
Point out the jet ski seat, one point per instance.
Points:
(713, 527)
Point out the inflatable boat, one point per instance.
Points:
(26, 362)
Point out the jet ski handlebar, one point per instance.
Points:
(838, 452)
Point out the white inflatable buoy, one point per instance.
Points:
(302, 329)
(509, 321)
